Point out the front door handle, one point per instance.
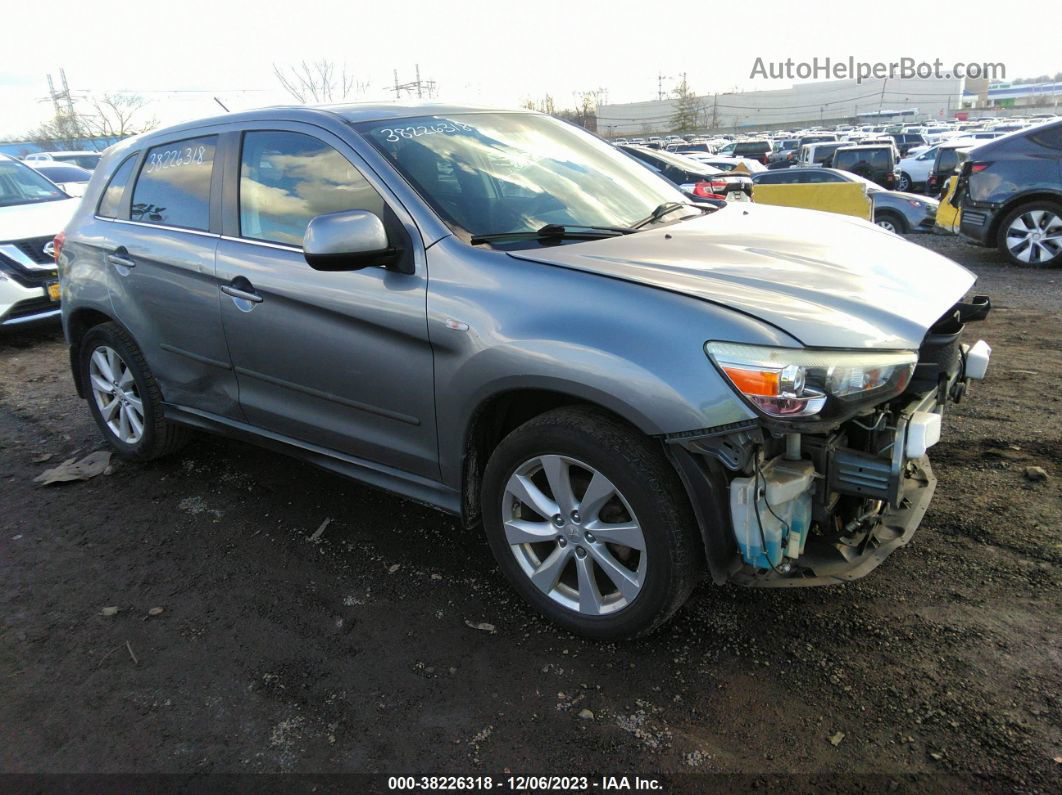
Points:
(243, 295)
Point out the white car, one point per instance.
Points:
(32, 212)
(914, 169)
(83, 158)
(71, 179)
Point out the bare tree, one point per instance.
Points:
(60, 132)
(544, 105)
(318, 82)
(104, 116)
(116, 115)
(585, 112)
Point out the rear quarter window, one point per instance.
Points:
(111, 201)
(173, 188)
(1051, 138)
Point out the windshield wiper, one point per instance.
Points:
(557, 232)
(661, 211)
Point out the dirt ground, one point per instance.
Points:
(353, 652)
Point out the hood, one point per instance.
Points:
(829, 280)
(21, 221)
(916, 197)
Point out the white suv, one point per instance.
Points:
(915, 168)
(32, 212)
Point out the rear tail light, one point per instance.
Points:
(976, 168)
(705, 190)
(57, 245)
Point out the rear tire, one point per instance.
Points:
(124, 397)
(606, 567)
(1017, 236)
(904, 184)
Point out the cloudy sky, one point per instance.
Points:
(180, 55)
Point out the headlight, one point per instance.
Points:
(799, 382)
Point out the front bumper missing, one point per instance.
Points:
(829, 564)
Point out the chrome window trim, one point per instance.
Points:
(199, 232)
(253, 242)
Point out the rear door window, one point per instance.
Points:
(288, 178)
(173, 188)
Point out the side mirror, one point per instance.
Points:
(347, 241)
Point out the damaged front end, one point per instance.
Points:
(834, 476)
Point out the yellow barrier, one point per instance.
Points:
(948, 215)
(847, 198)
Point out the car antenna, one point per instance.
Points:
(222, 105)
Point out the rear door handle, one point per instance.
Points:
(243, 295)
(120, 257)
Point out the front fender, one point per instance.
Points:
(498, 324)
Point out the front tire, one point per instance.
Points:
(904, 184)
(124, 397)
(590, 524)
(891, 222)
(1032, 235)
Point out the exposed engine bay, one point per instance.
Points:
(814, 505)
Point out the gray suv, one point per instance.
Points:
(498, 315)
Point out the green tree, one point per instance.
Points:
(687, 114)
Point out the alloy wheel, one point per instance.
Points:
(886, 225)
(904, 183)
(574, 535)
(1035, 237)
(116, 394)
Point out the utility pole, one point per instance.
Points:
(660, 78)
(54, 96)
(418, 85)
(66, 93)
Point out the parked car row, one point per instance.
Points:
(910, 157)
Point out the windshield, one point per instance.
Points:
(489, 173)
(20, 184)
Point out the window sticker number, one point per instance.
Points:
(173, 158)
(394, 134)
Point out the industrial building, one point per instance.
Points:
(802, 105)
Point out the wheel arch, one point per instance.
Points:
(893, 215)
(78, 323)
(1012, 204)
(501, 412)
